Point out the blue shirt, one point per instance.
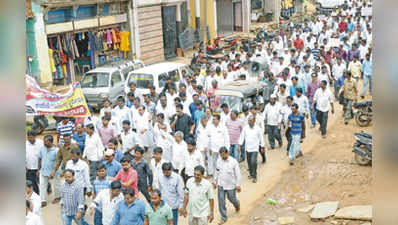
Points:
(197, 116)
(296, 122)
(118, 155)
(172, 189)
(99, 185)
(80, 139)
(129, 215)
(112, 168)
(192, 108)
(367, 67)
(47, 157)
(293, 90)
(350, 27)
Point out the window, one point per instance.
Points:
(93, 80)
(116, 78)
(257, 4)
(141, 80)
(174, 75)
(162, 79)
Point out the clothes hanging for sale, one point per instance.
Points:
(124, 41)
(109, 38)
(52, 65)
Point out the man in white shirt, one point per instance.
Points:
(93, 150)
(164, 108)
(228, 180)
(203, 139)
(81, 170)
(253, 138)
(31, 218)
(33, 198)
(107, 200)
(33, 146)
(122, 112)
(179, 149)
(338, 71)
(323, 98)
(272, 113)
(192, 158)
(128, 139)
(219, 137)
(142, 122)
(156, 166)
(302, 101)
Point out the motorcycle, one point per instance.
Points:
(363, 148)
(41, 123)
(363, 112)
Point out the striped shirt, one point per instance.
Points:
(72, 198)
(235, 128)
(296, 123)
(100, 185)
(63, 129)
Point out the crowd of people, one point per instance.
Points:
(191, 150)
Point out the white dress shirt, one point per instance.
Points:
(33, 219)
(338, 70)
(167, 111)
(179, 150)
(253, 137)
(156, 172)
(203, 137)
(164, 140)
(272, 113)
(219, 137)
(302, 103)
(191, 160)
(286, 111)
(82, 174)
(123, 114)
(323, 99)
(129, 139)
(141, 123)
(108, 206)
(227, 173)
(93, 149)
(32, 154)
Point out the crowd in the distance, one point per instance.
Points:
(97, 165)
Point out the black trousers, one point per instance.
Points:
(289, 139)
(143, 188)
(263, 157)
(32, 176)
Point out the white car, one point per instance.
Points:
(330, 4)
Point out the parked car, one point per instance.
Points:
(155, 75)
(126, 66)
(327, 6)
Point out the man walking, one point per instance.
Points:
(158, 212)
(323, 98)
(350, 88)
(171, 186)
(33, 146)
(252, 136)
(93, 150)
(235, 127)
(228, 180)
(47, 158)
(64, 154)
(145, 177)
(272, 113)
(219, 137)
(72, 200)
(131, 211)
(199, 198)
(367, 75)
(127, 175)
(296, 123)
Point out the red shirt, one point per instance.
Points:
(131, 174)
(342, 26)
(299, 44)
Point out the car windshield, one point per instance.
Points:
(95, 80)
(233, 102)
(141, 80)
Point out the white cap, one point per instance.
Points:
(273, 96)
(109, 152)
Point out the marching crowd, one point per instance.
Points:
(193, 150)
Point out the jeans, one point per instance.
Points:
(212, 162)
(348, 111)
(274, 133)
(68, 220)
(367, 78)
(97, 217)
(56, 182)
(252, 160)
(204, 156)
(322, 118)
(233, 150)
(313, 113)
(231, 195)
(242, 152)
(289, 139)
(93, 170)
(175, 216)
(144, 190)
(295, 148)
(31, 175)
(336, 90)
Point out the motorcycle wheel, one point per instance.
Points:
(361, 160)
(362, 119)
(37, 128)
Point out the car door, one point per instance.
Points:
(175, 76)
(116, 85)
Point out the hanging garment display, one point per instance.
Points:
(52, 65)
(109, 38)
(124, 41)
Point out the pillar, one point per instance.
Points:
(197, 14)
(178, 19)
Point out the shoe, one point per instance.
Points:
(221, 222)
(300, 154)
(291, 162)
(254, 180)
(324, 136)
(237, 209)
(43, 204)
(272, 147)
(287, 153)
(345, 122)
(249, 177)
(280, 145)
(56, 200)
(264, 161)
(362, 97)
